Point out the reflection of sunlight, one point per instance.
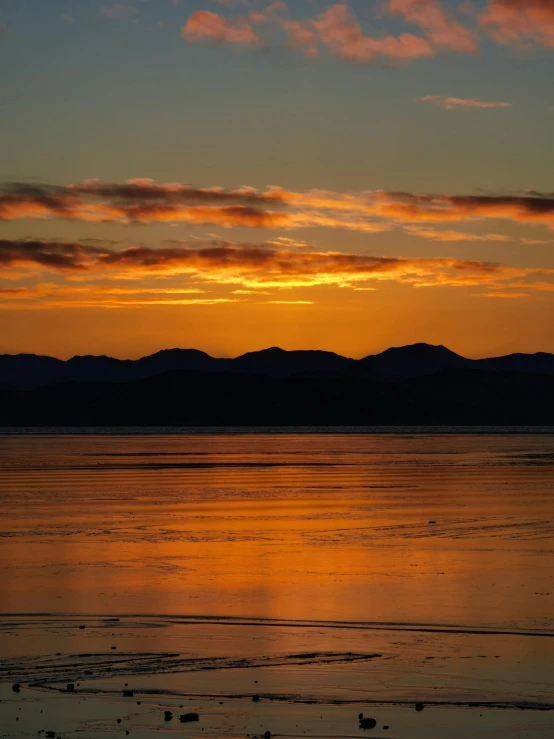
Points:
(283, 527)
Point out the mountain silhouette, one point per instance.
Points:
(280, 363)
(539, 362)
(414, 360)
(28, 371)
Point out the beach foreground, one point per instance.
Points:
(279, 584)
(247, 676)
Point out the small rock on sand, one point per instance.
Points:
(419, 706)
(70, 687)
(16, 687)
(184, 718)
(168, 715)
(368, 723)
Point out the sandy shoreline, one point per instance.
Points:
(78, 676)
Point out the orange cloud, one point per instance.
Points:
(336, 30)
(537, 242)
(204, 25)
(339, 31)
(108, 296)
(251, 266)
(412, 208)
(143, 201)
(442, 31)
(509, 296)
(519, 22)
(453, 235)
(452, 103)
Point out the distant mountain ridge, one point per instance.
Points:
(27, 371)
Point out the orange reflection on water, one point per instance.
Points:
(293, 527)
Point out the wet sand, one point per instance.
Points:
(328, 576)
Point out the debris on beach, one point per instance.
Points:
(419, 706)
(70, 687)
(184, 718)
(168, 715)
(267, 735)
(256, 698)
(366, 723)
(16, 687)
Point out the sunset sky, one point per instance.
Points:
(235, 174)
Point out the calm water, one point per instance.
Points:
(287, 526)
(339, 568)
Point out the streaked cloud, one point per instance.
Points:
(372, 211)
(537, 242)
(506, 296)
(453, 235)
(254, 266)
(453, 103)
(106, 296)
(287, 242)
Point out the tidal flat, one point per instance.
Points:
(281, 583)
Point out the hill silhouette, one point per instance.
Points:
(413, 360)
(193, 398)
(28, 371)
